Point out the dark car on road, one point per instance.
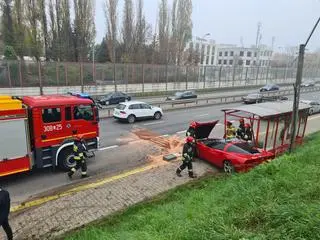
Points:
(114, 98)
(252, 98)
(259, 98)
(270, 87)
(183, 95)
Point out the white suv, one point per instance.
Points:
(133, 110)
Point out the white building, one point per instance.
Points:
(229, 55)
(204, 50)
(208, 53)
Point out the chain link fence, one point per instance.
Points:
(139, 77)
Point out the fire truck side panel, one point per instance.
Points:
(15, 153)
(57, 125)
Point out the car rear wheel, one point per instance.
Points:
(157, 115)
(131, 119)
(228, 167)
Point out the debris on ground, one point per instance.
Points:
(171, 145)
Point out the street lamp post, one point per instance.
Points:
(201, 40)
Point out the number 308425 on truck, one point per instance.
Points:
(38, 131)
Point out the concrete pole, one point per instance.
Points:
(297, 85)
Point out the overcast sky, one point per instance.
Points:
(289, 21)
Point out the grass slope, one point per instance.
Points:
(279, 200)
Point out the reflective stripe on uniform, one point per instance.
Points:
(77, 158)
(73, 170)
(75, 148)
(83, 173)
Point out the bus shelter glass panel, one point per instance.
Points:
(287, 133)
(271, 134)
(281, 133)
(261, 133)
(303, 121)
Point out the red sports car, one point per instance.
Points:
(233, 156)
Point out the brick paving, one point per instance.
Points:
(56, 217)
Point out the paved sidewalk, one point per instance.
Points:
(56, 217)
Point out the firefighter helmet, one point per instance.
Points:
(193, 124)
(189, 139)
(79, 137)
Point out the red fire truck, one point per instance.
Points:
(38, 131)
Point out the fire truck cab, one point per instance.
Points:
(38, 131)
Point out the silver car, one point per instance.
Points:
(314, 106)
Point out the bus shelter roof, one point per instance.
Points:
(267, 109)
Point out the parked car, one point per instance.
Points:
(182, 95)
(314, 106)
(114, 98)
(252, 98)
(134, 110)
(308, 84)
(270, 87)
(231, 156)
(258, 98)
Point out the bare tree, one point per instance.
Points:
(128, 30)
(112, 21)
(164, 28)
(34, 40)
(142, 32)
(183, 26)
(19, 28)
(44, 25)
(7, 22)
(84, 30)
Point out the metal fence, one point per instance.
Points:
(53, 74)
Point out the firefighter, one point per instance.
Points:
(247, 132)
(79, 151)
(230, 131)
(4, 212)
(187, 156)
(241, 129)
(191, 130)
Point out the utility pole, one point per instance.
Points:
(297, 86)
(296, 100)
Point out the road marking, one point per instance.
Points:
(203, 115)
(43, 200)
(106, 148)
(184, 131)
(153, 123)
(220, 124)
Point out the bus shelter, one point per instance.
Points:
(270, 123)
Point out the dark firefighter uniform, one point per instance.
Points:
(247, 133)
(79, 151)
(187, 157)
(4, 212)
(241, 129)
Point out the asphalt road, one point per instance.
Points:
(119, 151)
(113, 132)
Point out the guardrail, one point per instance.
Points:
(180, 104)
(159, 94)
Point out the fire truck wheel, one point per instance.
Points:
(66, 159)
